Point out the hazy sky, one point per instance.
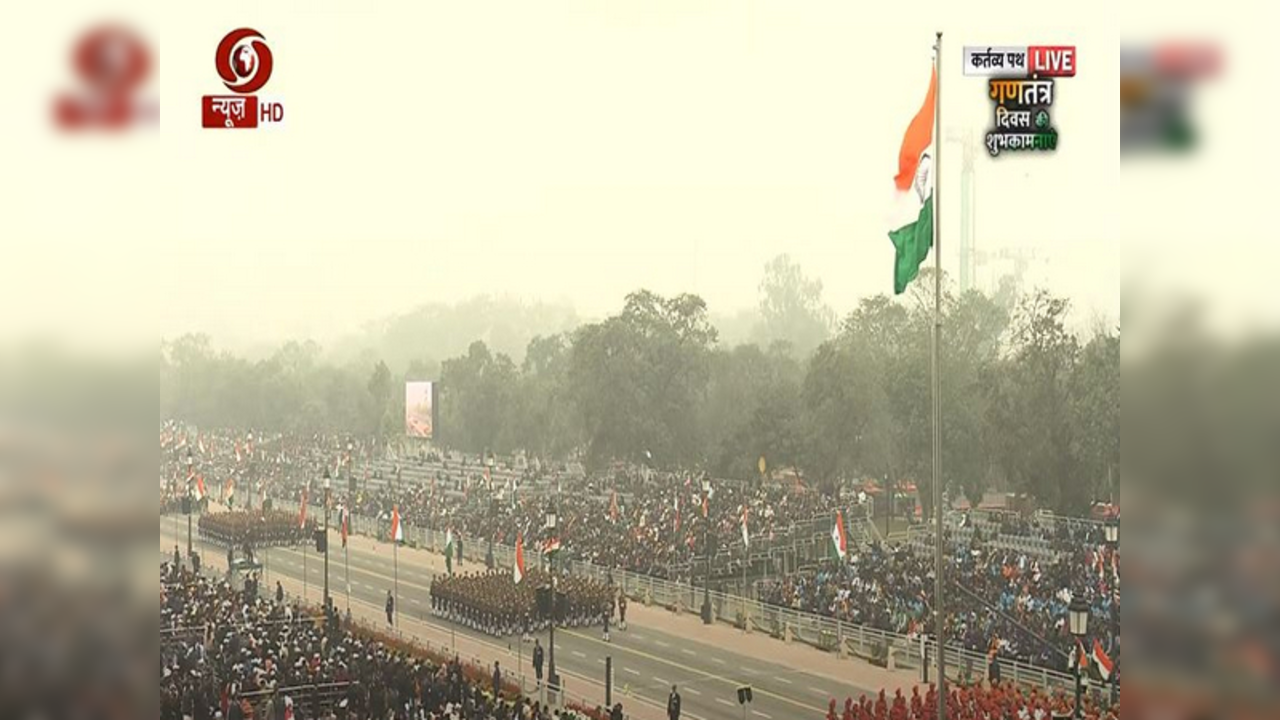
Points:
(557, 150)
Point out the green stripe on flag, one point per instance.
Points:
(911, 245)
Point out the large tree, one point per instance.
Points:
(638, 378)
(791, 308)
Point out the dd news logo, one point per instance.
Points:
(244, 64)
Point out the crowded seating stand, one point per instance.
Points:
(226, 653)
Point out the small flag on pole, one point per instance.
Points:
(746, 538)
(518, 570)
(1103, 661)
(839, 542)
(397, 531)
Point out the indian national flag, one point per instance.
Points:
(552, 546)
(518, 570)
(397, 530)
(1102, 660)
(913, 235)
(200, 493)
(839, 543)
(448, 543)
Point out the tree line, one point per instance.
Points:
(1028, 404)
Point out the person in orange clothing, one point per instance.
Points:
(899, 709)
(848, 709)
(831, 710)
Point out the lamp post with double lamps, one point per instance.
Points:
(553, 680)
(1078, 620)
(1112, 530)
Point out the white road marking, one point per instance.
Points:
(719, 660)
(579, 654)
(760, 714)
(637, 636)
(687, 651)
(783, 680)
(633, 672)
(661, 681)
(659, 643)
(722, 701)
(693, 691)
(819, 691)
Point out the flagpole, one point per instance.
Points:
(938, 604)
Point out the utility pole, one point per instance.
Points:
(706, 545)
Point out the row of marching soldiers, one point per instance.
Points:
(492, 602)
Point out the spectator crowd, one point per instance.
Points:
(653, 523)
(891, 588)
(229, 654)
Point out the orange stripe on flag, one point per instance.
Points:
(919, 136)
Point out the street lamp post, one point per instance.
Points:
(1112, 529)
(1078, 619)
(327, 485)
(553, 680)
(706, 547)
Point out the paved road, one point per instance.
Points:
(646, 661)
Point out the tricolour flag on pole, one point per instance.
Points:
(518, 570)
(1102, 660)
(746, 539)
(200, 492)
(839, 543)
(913, 235)
(397, 530)
(448, 550)
(551, 547)
(1083, 657)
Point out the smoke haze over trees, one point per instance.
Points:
(1028, 404)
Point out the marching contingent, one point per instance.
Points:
(1021, 576)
